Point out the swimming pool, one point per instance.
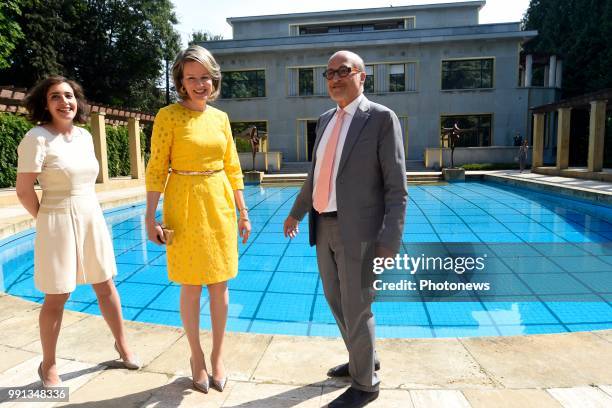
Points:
(277, 290)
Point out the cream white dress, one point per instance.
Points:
(72, 245)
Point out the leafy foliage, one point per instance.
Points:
(579, 32)
(116, 49)
(10, 31)
(12, 129)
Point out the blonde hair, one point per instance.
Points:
(205, 58)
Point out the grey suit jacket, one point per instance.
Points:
(371, 189)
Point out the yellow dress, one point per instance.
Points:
(199, 208)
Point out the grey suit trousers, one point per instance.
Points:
(341, 274)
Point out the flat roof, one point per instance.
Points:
(381, 38)
(374, 10)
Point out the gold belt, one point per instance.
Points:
(195, 173)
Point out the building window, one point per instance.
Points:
(478, 129)
(368, 85)
(243, 84)
(397, 78)
(467, 74)
(357, 26)
(239, 129)
(305, 81)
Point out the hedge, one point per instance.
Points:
(13, 127)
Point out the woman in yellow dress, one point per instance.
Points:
(193, 141)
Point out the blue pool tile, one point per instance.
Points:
(418, 229)
(251, 280)
(479, 219)
(464, 313)
(513, 218)
(493, 227)
(161, 317)
(242, 304)
(581, 236)
(583, 264)
(138, 257)
(258, 262)
(554, 284)
(445, 219)
(266, 249)
(274, 327)
(519, 313)
(582, 312)
(532, 264)
(460, 237)
(520, 330)
(589, 326)
(298, 264)
(604, 248)
(554, 250)
(138, 295)
(150, 274)
(168, 299)
(129, 313)
(498, 237)
(237, 325)
(24, 287)
(76, 305)
(400, 313)
(327, 330)
(597, 281)
(149, 247)
(271, 238)
(523, 227)
(512, 250)
(420, 238)
(452, 228)
(321, 312)
(283, 282)
(540, 237)
(297, 249)
(83, 293)
(285, 307)
(124, 271)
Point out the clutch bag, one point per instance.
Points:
(168, 234)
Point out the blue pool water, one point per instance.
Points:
(567, 242)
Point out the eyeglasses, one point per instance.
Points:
(342, 72)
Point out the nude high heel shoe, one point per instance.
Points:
(133, 364)
(218, 385)
(42, 380)
(200, 386)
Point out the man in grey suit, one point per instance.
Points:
(355, 194)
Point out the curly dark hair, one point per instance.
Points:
(36, 100)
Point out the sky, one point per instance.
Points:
(210, 16)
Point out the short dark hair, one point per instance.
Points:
(36, 100)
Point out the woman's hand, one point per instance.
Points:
(244, 229)
(154, 232)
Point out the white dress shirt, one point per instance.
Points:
(349, 110)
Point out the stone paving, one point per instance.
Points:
(553, 370)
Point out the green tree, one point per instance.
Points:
(10, 31)
(200, 36)
(579, 32)
(116, 49)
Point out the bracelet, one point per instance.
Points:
(244, 209)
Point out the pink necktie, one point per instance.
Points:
(323, 184)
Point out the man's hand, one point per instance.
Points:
(290, 227)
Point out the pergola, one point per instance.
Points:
(11, 100)
(596, 103)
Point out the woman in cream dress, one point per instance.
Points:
(201, 195)
(72, 244)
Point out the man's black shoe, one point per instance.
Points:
(353, 398)
(343, 370)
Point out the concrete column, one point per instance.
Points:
(98, 131)
(136, 163)
(552, 71)
(559, 74)
(563, 136)
(597, 133)
(528, 70)
(537, 151)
